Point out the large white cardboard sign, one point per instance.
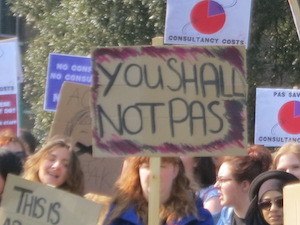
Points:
(207, 22)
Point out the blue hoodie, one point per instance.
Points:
(130, 217)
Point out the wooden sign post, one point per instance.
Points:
(295, 7)
(154, 195)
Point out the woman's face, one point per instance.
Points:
(289, 163)
(271, 206)
(53, 169)
(229, 189)
(168, 172)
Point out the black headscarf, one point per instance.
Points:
(270, 185)
(270, 180)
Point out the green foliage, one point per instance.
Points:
(274, 52)
(77, 26)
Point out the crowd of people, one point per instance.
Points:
(229, 190)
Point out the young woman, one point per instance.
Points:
(287, 158)
(201, 172)
(233, 182)
(56, 164)
(266, 194)
(178, 204)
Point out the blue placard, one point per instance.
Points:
(71, 68)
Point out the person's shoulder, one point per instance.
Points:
(128, 217)
(226, 216)
(205, 217)
(208, 193)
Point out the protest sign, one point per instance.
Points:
(169, 100)
(207, 22)
(76, 123)
(100, 174)
(10, 71)
(62, 68)
(277, 116)
(291, 204)
(30, 203)
(9, 112)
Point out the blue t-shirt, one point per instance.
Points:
(226, 216)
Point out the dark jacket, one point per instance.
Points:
(130, 217)
(254, 216)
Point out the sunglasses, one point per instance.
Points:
(266, 205)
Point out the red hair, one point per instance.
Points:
(258, 160)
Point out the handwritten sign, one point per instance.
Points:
(77, 122)
(100, 174)
(28, 203)
(169, 100)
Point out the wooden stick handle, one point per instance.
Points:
(295, 7)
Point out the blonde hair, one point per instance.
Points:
(103, 200)
(129, 193)
(74, 182)
(290, 147)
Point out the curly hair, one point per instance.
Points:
(129, 193)
(74, 182)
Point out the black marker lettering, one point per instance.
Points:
(138, 80)
(205, 81)
(177, 73)
(111, 77)
(200, 115)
